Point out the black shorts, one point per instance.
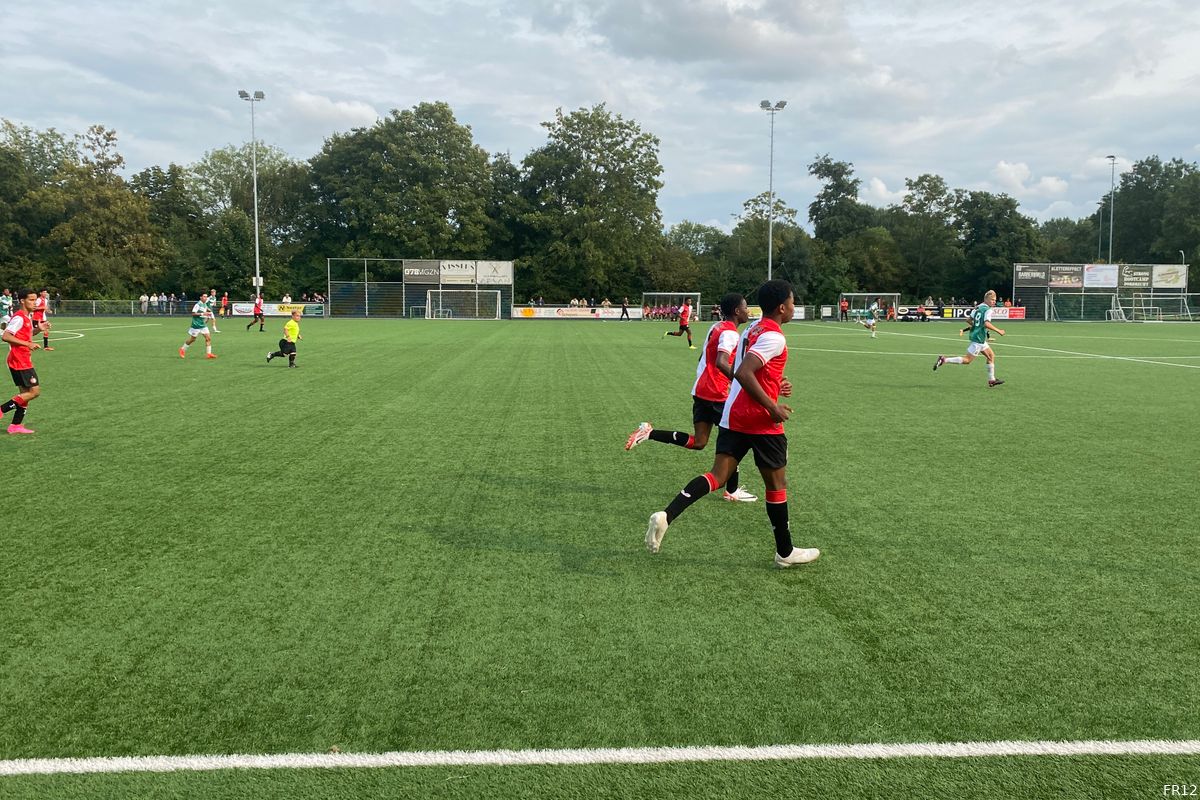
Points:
(683, 328)
(707, 410)
(24, 378)
(286, 347)
(770, 449)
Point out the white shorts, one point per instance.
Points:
(975, 348)
(195, 332)
(4, 320)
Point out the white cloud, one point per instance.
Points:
(878, 194)
(328, 113)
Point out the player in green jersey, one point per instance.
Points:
(201, 313)
(6, 308)
(212, 308)
(980, 325)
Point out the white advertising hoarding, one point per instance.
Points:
(458, 272)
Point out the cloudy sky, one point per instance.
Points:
(1026, 98)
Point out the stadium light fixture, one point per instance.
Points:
(1112, 201)
(258, 97)
(766, 106)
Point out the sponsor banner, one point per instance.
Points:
(278, 309)
(1012, 312)
(1066, 276)
(1170, 276)
(1134, 276)
(416, 271)
(458, 272)
(826, 312)
(799, 313)
(1100, 276)
(1030, 275)
(547, 312)
(494, 273)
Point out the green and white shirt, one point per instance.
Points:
(200, 313)
(979, 318)
(6, 305)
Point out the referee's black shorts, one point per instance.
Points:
(770, 449)
(286, 347)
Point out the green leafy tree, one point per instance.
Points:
(1141, 201)
(995, 235)
(836, 212)
(592, 193)
(923, 228)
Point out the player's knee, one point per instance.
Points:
(34, 391)
(699, 442)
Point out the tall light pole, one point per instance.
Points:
(1112, 202)
(1100, 233)
(766, 106)
(256, 98)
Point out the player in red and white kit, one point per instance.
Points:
(18, 335)
(39, 318)
(258, 315)
(685, 316)
(713, 375)
(753, 420)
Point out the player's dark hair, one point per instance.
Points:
(729, 304)
(23, 293)
(773, 294)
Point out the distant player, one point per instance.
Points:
(212, 308)
(685, 316)
(752, 421)
(6, 308)
(980, 325)
(258, 315)
(18, 335)
(40, 323)
(872, 318)
(201, 313)
(287, 345)
(709, 392)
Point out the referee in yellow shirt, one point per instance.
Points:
(287, 345)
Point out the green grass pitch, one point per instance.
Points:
(429, 537)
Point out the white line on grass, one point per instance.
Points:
(1081, 356)
(115, 327)
(625, 755)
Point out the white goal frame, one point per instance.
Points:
(654, 300)
(861, 301)
(462, 304)
(1164, 307)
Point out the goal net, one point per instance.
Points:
(462, 304)
(861, 301)
(665, 305)
(1150, 307)
(1067, 306)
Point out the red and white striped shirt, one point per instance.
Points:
(685, 313)
(765, 342)
(21, 327)
(711, 383)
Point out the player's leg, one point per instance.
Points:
(688, 328)
(770, 455)
(699, 486)
(187, 343)
(208, 353)
(991, 367)
(291, 354)
(28, 389)
(44, 326)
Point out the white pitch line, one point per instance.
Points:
(1080, 357)
(624, 755)
(114, 327)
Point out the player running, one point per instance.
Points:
(6, 308)
(287, 345)
(258, 315)
(18, 335)
(39, 318)
(713, 376)
(685, 316)
(980, 325)
(752, 420)
(201, 313)
(212, 309)
(872, 319)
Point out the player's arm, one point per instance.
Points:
(724, 364)
(745, 376)
(988, 324)
(9, 339)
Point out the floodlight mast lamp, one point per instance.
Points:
(766, 106)
(256, 98)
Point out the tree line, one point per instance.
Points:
(579, 215)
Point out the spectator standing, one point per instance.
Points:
(625, 309)
(172, 301)
(225, 304)
(58, 302)
(287, 298)
(144, 302)
(153, 303)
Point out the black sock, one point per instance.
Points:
(778, 512)
(291, 359)
(277, 354)
(45, 342)
(731, 485)
(19, 415)
(690, 494)
(7, 407)
(670, 437)
(689, 338)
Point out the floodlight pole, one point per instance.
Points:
(765, 105)
(1112, 202)
(1100, 232)
(257, 97)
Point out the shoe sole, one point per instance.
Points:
(786, 565)
(653, 543)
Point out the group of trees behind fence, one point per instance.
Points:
(579, 215)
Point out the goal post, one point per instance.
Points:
(462, 304)
(861, 301)
(665, 305)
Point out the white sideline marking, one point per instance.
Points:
(114, 327)
(624, 755)
(1081, 356)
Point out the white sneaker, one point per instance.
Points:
(797, 556)
(740, 496)
(656, 531)
(640, 435)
